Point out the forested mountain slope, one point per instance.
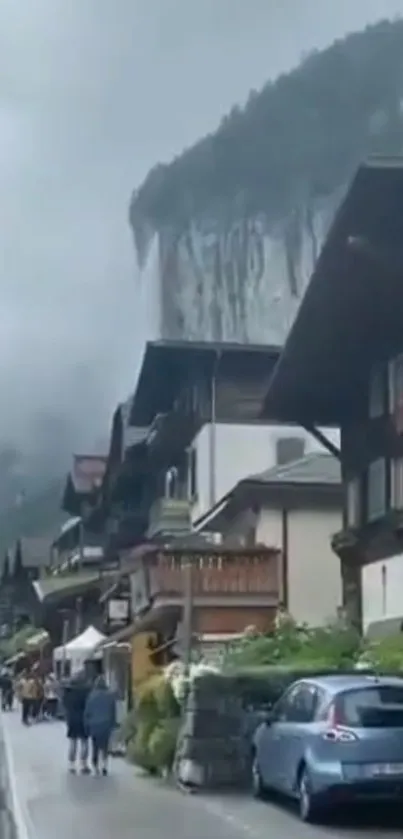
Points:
(240, 217)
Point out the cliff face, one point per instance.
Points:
(228, 234)
(239, 281)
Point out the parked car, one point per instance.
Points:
(332, 739)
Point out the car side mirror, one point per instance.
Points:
(268, 719)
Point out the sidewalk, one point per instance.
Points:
(51, 804)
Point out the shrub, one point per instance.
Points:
(386, 654)
(151, 729)
(162, 743)
(336, 645)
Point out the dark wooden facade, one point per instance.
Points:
(341, 366)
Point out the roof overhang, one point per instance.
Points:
(269, 495)
(55, 588)
(169, 365)
(352, 312)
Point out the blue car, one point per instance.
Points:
(332, 739)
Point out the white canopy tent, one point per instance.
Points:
(80, 649)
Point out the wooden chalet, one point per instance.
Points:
(182, 385)
(76, 545)
(342, 365)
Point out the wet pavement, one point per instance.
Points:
(51, 804)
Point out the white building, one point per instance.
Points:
(226, 453)
(296, 507)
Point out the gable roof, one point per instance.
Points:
(317, 474)
(167, 365)
(315, 468)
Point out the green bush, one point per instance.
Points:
(162, 743)
(150, 730)
(386, 654)
(138, 749)
(336, 645)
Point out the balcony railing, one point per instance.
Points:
(212, 576)
(169, 515)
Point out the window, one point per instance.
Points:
(376, 492)
(372, 707)
(396, 391)
(353, 503)
(396, 489)
(377, 400)
(298, 704)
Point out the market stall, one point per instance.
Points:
(72, 657)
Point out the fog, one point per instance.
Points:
(92, 94)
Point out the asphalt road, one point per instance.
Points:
(51, 804)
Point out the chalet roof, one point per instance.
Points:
(352, 311)
(168, 365)
(314, 468)
(316, 473)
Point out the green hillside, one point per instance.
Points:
(298, 138)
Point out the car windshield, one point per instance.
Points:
(371, 707)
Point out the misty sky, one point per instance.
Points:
(92, 94)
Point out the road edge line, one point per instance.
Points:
(19, 814)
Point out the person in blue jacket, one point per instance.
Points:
(99, 721)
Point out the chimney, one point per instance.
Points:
(289, 449)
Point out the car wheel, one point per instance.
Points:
(257, 783)
(308, 809)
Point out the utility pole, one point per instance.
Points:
(65, 635)
(81, 537)
(187, 615)
(79, 614)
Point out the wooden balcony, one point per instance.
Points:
(250, 575)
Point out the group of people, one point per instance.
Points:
(38, 695)
(90, 711)
(88, 706)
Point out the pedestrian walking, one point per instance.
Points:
(38, 698)
(100, 720)
(75, 698)
(27, 690)
(7, 690)
(51, 700)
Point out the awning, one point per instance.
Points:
(56, 587)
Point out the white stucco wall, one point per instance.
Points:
(314, 577)
(382, 590)
(241, 450)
